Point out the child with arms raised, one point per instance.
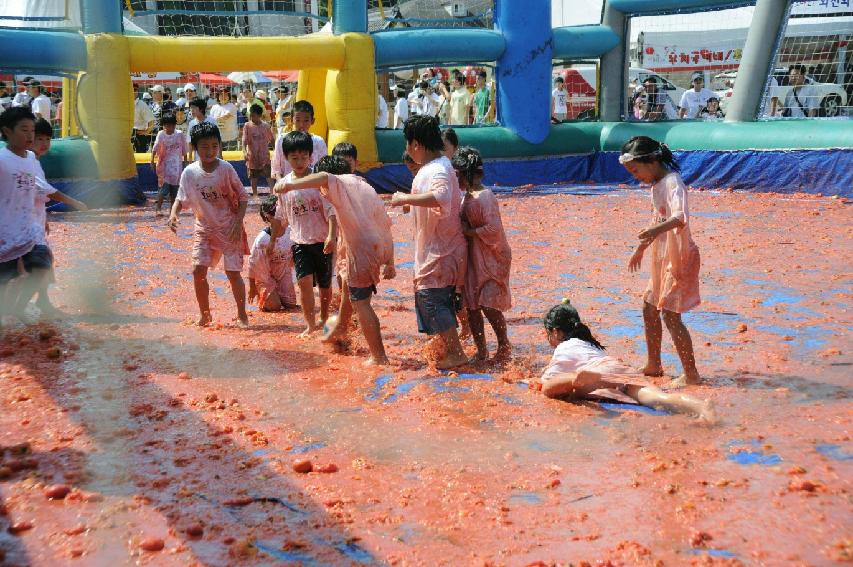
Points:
(270, 272)
(440, 247)
(169, 150)
(486, 288)
(673, 287)
(365, 246)
(313, 231)
(210, 186)
(581, 369)
(257, 136)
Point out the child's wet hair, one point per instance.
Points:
(303, 106)
(168, 118)
(268, 207)
(256, 109)
(336, 165)
(345, 149)
(469, 163)
(204, 130)
(449, 135)
(565, 318)
(10, 118)
(297, 141)
(647, 150)
(199, 103)
(43, 128)
(425, 131)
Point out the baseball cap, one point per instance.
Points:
(146, 96)
(697, 76)
(260, 92)
(34, 83)
(189, 87)
(180, 90)
(157, 89)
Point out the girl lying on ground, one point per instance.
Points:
(581, 369)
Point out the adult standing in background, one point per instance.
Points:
(381, 111)
(143, 124)
(460, 102)
(39, 103)
(559, 100)
(157, 93)
(482, 100)
(224, 112)
(695, 99)
(802, 100)
(401, 110)
(182, 97)
(22, 97)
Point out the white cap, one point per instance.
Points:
(189, 87)
(146, 96)
(260, 92)
(157, 89)
(180, 90)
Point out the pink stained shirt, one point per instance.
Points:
(273, 272)
(365, 229)
(281, 168)
(214, 198)
(440, 247)
(256, 140)
(170, 150)
(307, 214)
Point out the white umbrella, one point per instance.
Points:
(255, 77)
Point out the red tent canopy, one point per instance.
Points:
(211, 79)
(286, 76)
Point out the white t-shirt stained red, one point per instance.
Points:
(307, 213)
(170, 150)
(22, 181)
(213, 197)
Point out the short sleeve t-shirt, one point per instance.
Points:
(693, 101)
(256, 141)
(41, 105)
(225, 116)
(459, 101)
(280, 166)
(571, 356)
(481, 104)
(669, 199)
(211, 196)
(440, 247)
(382, 114)
(142, 115)
(22, 182)
(307, 213)
(802, 100)
(170, 150)
(560, 101)
(401, 112)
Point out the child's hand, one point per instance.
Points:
(636, 259)
(648, 234)
(328, 246)
(280, 186)
(398, 199)
(236, 230)
(389, 272)
(173, 223)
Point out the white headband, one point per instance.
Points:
(625, 158)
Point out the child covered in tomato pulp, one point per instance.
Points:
(365, 247)
(211, 187)
(168, 152)
(486, 290)
(271, 269)
(580, 368)
(440, 247)
(673, 287)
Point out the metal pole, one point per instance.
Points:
(614, 71)
(762, 41)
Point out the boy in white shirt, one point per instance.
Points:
(23, 188)
(313, 226)
(169, 150)
(440, 246)
(303, 119)
(559, 100)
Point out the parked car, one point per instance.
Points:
(832, 97)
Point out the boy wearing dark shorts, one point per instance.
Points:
(313, 230)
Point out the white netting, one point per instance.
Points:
(676, 50)
(388, 14)
(813, 68)
(235, 18)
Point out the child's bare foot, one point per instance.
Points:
(204, 319)
(451, 361)
(371, 361)
(242, 321)
(708, 415)
(309, 330)
(504, 352)
(655, 370)
(686, 380)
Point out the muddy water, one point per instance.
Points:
(188, 436)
